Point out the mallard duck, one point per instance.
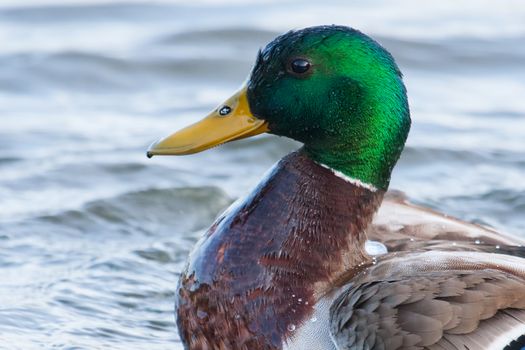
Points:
(288, 266)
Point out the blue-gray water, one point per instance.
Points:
(93, 234)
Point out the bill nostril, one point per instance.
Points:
(225, 110)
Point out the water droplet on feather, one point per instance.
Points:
(375, 248)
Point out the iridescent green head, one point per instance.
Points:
(330, 87)
(340, 93)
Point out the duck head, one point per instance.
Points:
(330, 87)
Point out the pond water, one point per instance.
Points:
(93, 234)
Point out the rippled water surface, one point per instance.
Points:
(93, 234)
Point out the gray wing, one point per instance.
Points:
(403, 226)
(433, 300)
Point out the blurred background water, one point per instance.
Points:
(93, 234)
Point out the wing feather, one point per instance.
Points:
(430, 300)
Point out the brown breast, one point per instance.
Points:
(258, 270)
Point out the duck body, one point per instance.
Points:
(261, 279)
(287, 267)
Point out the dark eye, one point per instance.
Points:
(300, 65)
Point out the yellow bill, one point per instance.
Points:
(231, 121)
